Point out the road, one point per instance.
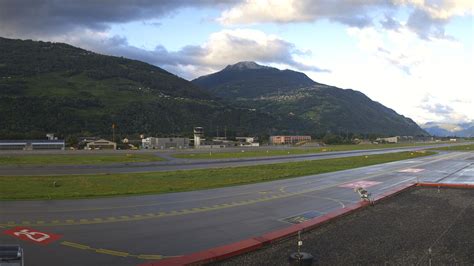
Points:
(134, 230)
(186, 164)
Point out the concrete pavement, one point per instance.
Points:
(133, 230)
(187, 164)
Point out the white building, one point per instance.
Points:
(165, 143)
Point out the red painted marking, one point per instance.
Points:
(363, 183)
(411, 170)
(35, 236)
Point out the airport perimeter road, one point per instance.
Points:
(134, 230)
(183, 164)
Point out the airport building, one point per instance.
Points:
(388, 140)
(288, 139)
(28, 145)
(101, 144)
(165, 143)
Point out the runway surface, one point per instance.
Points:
(134, 230)
(186, 164)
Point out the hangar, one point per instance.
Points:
(28, 145)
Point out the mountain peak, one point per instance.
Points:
(245, 65)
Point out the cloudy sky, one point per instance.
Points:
(415, 56)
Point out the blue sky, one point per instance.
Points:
(414, 56)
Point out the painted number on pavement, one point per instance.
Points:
(35, 236)
(411, 170)
(363, 183)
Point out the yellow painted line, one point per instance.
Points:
(112, 252)
(149, 257)
(224, 205)
(75, 245)
(120, 207)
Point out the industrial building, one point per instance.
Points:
(165, 143)
(28, 145)
(388, 140)
(247, 141)
(289, 139)
(101, 144)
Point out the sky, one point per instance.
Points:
(414, 56)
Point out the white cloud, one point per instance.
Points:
(230, 46)
(427, 18)
(440, 9)
(427, 81)
(284, 11)
(222, 48)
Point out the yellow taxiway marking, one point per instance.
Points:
(139, 217)
(120, 207)
(114, 252)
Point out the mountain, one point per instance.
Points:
(55, 87)
(249, 80)
(313, 106)
(448, 129)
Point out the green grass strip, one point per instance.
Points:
(76, 159)
(469, 147)
(294, 151)
(85, 186)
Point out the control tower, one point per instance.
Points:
(198, 135)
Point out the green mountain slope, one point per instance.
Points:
(316, 107)
(249, 80)
(55, 87)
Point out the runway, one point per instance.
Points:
(187, 164)
(137, 229)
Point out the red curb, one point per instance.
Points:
(447, 185)
(251, 244)
(393, 192)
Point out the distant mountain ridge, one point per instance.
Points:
(449, 130)
(295, 97)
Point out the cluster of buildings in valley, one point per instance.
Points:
(198, 141)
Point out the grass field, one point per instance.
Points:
(74, 159)
(294, 151)
(469, 147)
(84, 186)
